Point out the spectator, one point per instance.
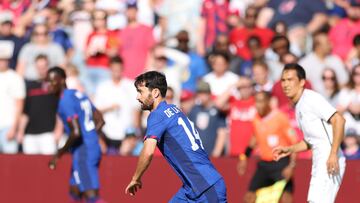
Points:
(354, 54)
(57, 32)
(187, 101)
(177, 18)
(331, 86)
(342, 34)
(351, 145)
(114, 99)
(169, 98)
(220, 78)
(315, 62)
(136, 40)
(244, 68)
(101, 44)
(40, 44)
(161, 56)
(280, 46)
(261, 77)
(212, 23)
(73, 78)
(132, 143)
(40, 128)
(115, 10)
(7, 35)
(197, 66)
(349, 103)
(209, 121)
(301, 17)
(239, 36)
(241, 108)
(12, 94)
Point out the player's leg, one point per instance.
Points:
(75, 194)
(216, 193)
(89, 175)
(75, 191)
(323, 183)
(179, 197)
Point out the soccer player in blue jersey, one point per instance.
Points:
(179, 142)
(81, 121)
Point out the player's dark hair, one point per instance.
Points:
(300, 72)
(152, 80)
(57, 70)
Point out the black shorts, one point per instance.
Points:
(268, 172)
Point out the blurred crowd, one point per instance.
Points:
(215, 54)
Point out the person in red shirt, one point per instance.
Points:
(239, 36)
(101, 44)
(241, 112)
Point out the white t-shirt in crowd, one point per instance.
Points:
(12, 87)
(220, 84)
(122, 94)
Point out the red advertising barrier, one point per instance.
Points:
(27, 179)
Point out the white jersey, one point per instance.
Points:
(312, 114)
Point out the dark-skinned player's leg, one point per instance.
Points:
(75, 194)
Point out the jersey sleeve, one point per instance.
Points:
(321, 107)
(156, 126)
(68, 107)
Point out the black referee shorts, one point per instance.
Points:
(269, 172)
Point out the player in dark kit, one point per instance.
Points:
(81, 121)
(174, 134)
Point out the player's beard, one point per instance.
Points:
(148, 103)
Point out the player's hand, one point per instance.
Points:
(241, 167)
(280, 152)
(52, 163)
(133, 187)
(332, 164)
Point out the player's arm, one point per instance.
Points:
(145, 158)
(75, 134)
(337, 122)
(98, 119)
(281, 151)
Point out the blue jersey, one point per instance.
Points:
(74, 104)
(181, 146)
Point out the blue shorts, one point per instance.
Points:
(85, 167)
(214, 194)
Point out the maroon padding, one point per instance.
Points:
(27, 179)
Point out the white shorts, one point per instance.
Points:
(323, 187)
(43, 143)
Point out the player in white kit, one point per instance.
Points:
(323, 129)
